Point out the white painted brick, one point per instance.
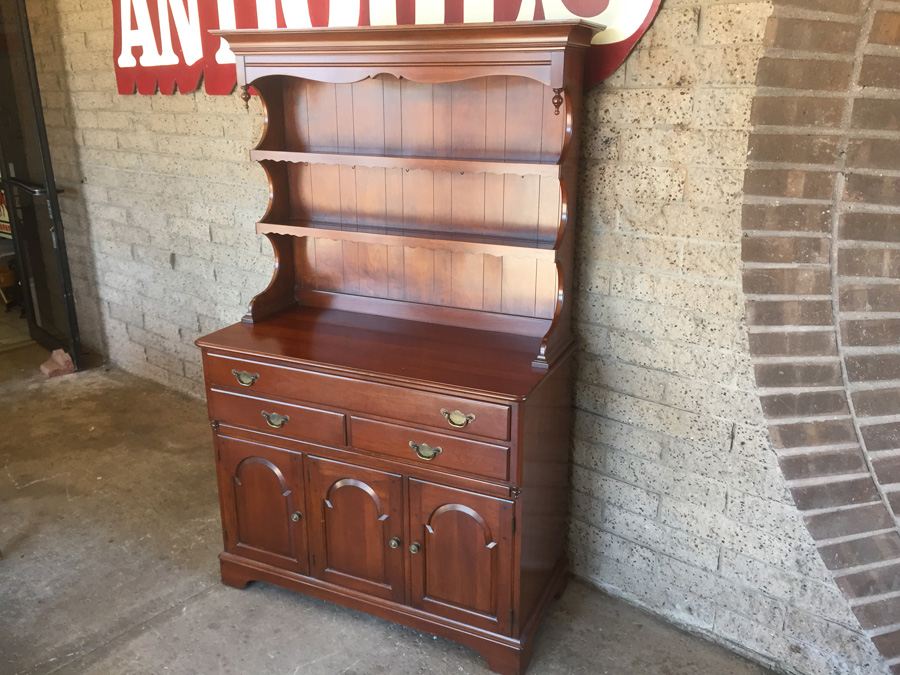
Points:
(590, 487)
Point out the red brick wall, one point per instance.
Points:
(821, 253)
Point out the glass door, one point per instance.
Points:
(30, 190)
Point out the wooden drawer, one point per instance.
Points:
(381, 400)
(458, 454)
(303, 423)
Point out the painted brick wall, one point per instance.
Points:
(679, 502)
(822, 274)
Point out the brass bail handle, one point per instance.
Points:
(425, 451)
(275, 420)
(245, 378)
(457, 418)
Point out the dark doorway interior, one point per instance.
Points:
(37, 263)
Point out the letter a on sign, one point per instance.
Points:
(165, 46)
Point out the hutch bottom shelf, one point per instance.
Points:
(415, 471)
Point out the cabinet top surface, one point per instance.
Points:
(398, 350)
(428, 37)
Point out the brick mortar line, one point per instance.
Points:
(814, 450)
(789, 359)
(809, 130)
(889, 454)
(884, 630)
(867, 567)
(866, 244)
(807, 55)
(787, 234)
(761, 330)
(880, 49)
(882, 172)
(818, 481)
(787, 12)
(871, 350)
(871, 385)
(804, 419)
(798, 92)
(786, 265)
(864, 600)
(868, 316)
(812, 389)
(850, 538)
(761, 298)
(775, 200)
(825, 510)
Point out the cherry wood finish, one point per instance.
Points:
(261, 490)
(464, 568)
(392, 417)
(403, 442)
(354, 514)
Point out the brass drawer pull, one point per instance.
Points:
(425, 451)
(457, 418)
(415, 547)
(244, 378)
(394, 542)
(296, 516)
(275, 420)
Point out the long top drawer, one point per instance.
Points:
(491, 420)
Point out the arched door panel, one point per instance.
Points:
(354, 515)
(462, 568)
(263, 503)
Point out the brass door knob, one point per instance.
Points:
(457, 418)
(275, 420)
(425, 451)
(296, 516)
(394, 542)
(244, 378)
(415, 547)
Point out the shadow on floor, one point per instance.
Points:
(109, 528)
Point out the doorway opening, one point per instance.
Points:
(35, 285)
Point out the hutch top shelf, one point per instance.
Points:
(421, 173)
(422, 53)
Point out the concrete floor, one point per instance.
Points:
(109, 530)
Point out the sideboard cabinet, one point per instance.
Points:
(392, 416)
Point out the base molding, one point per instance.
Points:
(505, 655)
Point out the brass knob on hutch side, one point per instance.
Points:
(275, 420)
(457, 418)
(415, 547)
(296, 516)
(425, 451)
(394, 542)
(244, 378)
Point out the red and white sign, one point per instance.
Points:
(164, 45)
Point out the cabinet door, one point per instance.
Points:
(462, 568)
(356, 527)
(261, 494)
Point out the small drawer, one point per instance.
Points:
(437, 450)
(373, 398)
(277, 417)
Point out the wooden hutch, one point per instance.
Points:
(392, 417)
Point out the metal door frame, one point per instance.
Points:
(51, 194)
